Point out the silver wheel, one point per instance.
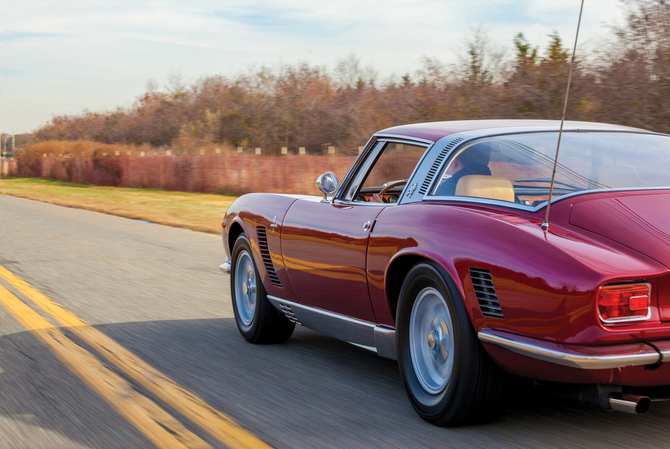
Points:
(245, 288)
(256, 318)
(431, 341)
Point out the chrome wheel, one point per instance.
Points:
(245, 288)
(431, 341)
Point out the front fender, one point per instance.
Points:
(262, 214)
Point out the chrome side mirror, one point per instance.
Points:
(327, 183)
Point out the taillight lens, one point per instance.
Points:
(629, 302)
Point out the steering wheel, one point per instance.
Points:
(391, 184)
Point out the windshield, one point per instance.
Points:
(517, 168)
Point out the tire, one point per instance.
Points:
(256, 318)
(449, 377)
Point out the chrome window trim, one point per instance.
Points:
(484, 201)
(588, 192)
(353, 168)
(358, 175)
(362, 203)
(575, 360)
(405, 138)
(423, 168)
(491, 202)
(469, 136)
(340, 195)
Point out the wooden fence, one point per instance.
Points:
(217, 173)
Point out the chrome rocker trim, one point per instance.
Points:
(603, 357)
(361, 333)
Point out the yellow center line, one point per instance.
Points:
(188, 404)
(155, 423)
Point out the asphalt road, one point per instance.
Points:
(158, 292)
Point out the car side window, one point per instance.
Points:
(470, 161)
(386, 172)
(517, 168)
(495, 168)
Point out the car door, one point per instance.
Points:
(324, 243)
(324, 247)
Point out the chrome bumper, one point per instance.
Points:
(225, 267)
(585, 357)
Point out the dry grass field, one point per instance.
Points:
(197, 211)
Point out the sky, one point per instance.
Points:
(67, 56)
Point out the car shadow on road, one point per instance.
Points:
(312, 391)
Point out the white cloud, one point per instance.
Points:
(70, 55)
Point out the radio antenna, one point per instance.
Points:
(545, 225)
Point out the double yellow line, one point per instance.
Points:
(146, 415)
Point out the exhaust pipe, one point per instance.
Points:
(604, 397)
(630, 403)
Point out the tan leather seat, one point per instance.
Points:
(493, 187)
(616, 176)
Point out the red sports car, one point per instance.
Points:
(432, 251)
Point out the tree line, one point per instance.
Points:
(626, 81)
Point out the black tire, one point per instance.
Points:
(256, 318)
(467, 387)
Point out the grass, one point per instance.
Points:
(197, 211)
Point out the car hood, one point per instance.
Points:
(639, 221)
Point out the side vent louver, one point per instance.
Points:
(288, 312)
(265, 254)
(486, 293)
(436, 165)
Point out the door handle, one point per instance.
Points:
(366, 226)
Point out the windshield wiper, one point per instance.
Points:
(567, 184)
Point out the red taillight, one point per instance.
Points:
(628, 302)
(223, 225)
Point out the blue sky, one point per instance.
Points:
(66, 56)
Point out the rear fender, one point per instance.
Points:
(403, 261)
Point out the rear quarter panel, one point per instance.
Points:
(545, 282)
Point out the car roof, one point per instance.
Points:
(434, 131)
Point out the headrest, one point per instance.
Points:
(493, 187)
(479, 154)
(616, 176)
